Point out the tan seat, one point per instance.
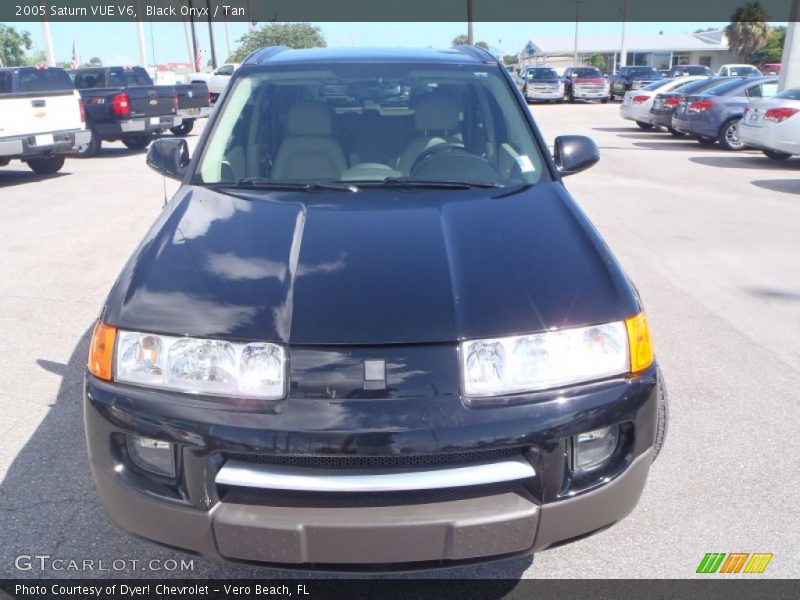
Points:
(309, 152)
(436, 117)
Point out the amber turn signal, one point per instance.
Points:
(639, 342)
(101, 350)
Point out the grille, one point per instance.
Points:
(262, 497)
(327, 461)
(590, 87)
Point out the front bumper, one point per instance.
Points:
(33, 146)
(590, 94)
(533, 94)
(396, 530)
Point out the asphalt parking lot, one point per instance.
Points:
(710, 238)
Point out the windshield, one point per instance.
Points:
(587, 72)
(744, 71)
(696, 70)
(542, 74)
(644, 72)
(371, 122)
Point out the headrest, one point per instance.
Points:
(436, 112)
(309, 117)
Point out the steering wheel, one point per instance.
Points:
(437, 149)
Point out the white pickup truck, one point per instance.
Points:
(216, 81)
(41, 117)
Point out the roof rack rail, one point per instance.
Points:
(264, 54)
(477, 53)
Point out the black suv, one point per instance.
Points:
(371, 328)
(632, 78)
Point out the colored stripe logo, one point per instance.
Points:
(735, 562)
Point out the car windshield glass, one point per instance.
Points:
(793, 94)
(644, 72)
(44, 80)
(656, 84)
(724, 88)
(743, 71)
(382, 123)
(587, 72)
(542, 74)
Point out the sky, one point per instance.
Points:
(115, 43)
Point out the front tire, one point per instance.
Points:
(137, 142)
(46, 166)
(604, 101)
(662, 419)
(91, 148)
(775, 155)
(183, 129)
(645, 126)
(729, 136)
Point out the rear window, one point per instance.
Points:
(793, 94)
(656, 84)
(724, 88)
(122, 77)
(696, 86)
(743, 71)
(44, 80)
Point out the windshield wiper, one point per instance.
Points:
(436, 184)
(262, 183)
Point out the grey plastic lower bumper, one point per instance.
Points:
(455, 530)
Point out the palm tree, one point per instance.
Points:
(748, 30)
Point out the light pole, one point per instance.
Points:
(623, 51)
(577, 21)
(790, 61)
(470, 36)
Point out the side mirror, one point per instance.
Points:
(574, 153)
(169, 156)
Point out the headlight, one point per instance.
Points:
(200, 366)
(528, 363)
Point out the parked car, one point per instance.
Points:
(194, 102)
(123, 104)
(771, 125)
(41, 117)
(322, 362)
(543, 83)
(217, 80)
(585, 83)
(686, 70)
(714, 115)
(636, 104)
(770, 68)
(631, 78)
(738, 71)
(665, 103)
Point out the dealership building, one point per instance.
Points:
(709, 48)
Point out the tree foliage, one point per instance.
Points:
(595, 60)
(461, 40)
(293, 35)
(13, 46)
(748, 30)
(772, 51)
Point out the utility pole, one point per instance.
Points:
(470, 36)
(140, 36)
(577, 21)
(211, 36)
(194, 39)
(790, 61)
(623, 52)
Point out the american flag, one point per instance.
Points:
(73, 63)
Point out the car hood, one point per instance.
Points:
(371, 267)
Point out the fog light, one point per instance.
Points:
(592, 448)
(152, 455)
